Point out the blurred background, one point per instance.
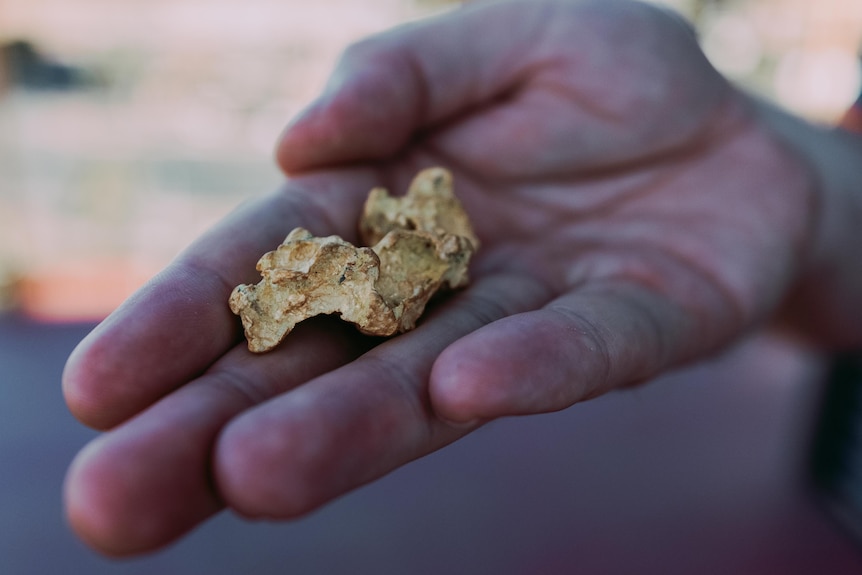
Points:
(127, 127)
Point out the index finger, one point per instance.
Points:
(177, 325)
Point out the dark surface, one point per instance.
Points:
(837, 454)
(698, 473)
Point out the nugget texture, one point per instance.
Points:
(429, 206)
(422, 243)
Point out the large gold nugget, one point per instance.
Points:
(423, 242)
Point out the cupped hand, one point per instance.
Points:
(633, 215)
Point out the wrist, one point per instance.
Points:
(826, 301)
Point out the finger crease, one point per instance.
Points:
(238, 385)
(590, 337)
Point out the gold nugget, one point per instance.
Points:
(422, 243)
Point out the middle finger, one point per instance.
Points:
(291, 454)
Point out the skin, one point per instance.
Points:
(636, 212)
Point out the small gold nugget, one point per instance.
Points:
(423, 242)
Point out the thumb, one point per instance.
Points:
(369, 109)
(387, 88)
(530, 88)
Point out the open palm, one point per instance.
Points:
(633, 215)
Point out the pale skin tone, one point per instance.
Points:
(636, 212)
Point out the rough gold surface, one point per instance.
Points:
(430, 206)
(422, 243)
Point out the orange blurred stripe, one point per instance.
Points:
(80, 291)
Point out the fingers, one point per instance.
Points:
(176, 326)
(148, 482)
(352, 425)
(578, 347)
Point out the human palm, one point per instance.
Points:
(633, 215)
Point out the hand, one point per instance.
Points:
(634, 215)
